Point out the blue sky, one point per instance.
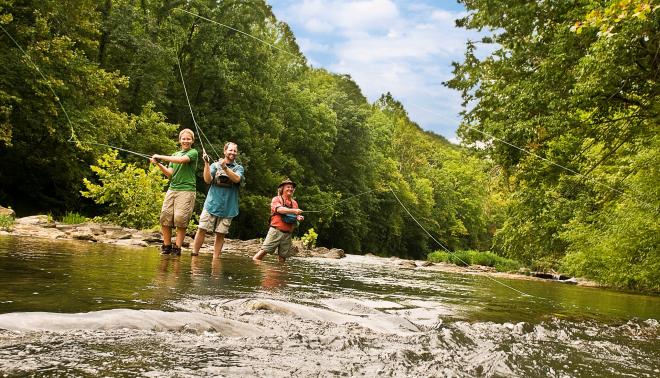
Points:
(404, 47)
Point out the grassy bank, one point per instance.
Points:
(471, 257)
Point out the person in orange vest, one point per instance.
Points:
(284, 217)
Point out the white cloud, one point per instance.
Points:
(309, 45)
(342, 16)
(401, 47)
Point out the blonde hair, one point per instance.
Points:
(192, 135)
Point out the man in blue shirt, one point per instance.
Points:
(221, 203)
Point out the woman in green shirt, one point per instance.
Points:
(180, 198)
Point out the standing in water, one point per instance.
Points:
(180, 198)
(284, 216)
(221, 204)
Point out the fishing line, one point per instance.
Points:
(201, 134)
(338, 202)
(455, 255)
(239, 31)
(639, 201)
(72, 138)
(427, 233)
(397, 198)
(118, 148)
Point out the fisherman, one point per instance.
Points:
(180, 198)
(284, 217)
(221, 204)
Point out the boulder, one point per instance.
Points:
(335, 253)
(7, 212)
(131, 242)
(299, 249)
(319, 252)
(65, 227)
(424, 263)
(34, 220)
(118, 234)
(83, 234)
(153, 237)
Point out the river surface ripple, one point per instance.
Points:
(82, 309)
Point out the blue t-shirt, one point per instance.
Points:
(222, 201)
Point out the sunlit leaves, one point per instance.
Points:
(133, 196)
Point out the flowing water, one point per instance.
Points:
(80, 309)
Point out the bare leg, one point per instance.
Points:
(180, 235)
(260, 255)
(167, 235)
(199, 240)
(217, 246)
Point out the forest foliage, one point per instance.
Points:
(573, 84)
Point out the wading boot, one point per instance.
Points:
(176, 251)
(165, 249)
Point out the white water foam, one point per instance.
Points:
(126, 318)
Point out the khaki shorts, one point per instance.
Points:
(177, 208)
(211, 223)
(277, 240)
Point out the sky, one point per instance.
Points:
(397, 46)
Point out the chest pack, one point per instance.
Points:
(286, 218)
(221, 179)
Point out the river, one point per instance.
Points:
(71, 308)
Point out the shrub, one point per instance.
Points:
(133, 195)
(73, 218)
(6, 222)
(309, 239)
(465, 258)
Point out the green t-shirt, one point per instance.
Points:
(183, 179)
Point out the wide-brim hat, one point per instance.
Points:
(286, 181)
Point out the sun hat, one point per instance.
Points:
(286, 181)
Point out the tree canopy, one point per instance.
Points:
(114, 74)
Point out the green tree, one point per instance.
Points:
(132, 195)
(582, 102)
(53, 74)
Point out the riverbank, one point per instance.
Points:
(41, 226)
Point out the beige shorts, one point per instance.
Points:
(277, 240)
(177, 208)
(211, 223)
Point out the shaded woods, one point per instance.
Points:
(583, 100)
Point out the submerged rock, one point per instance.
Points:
(407, 264)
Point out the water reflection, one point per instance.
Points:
(216, 267)
(273, 276)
